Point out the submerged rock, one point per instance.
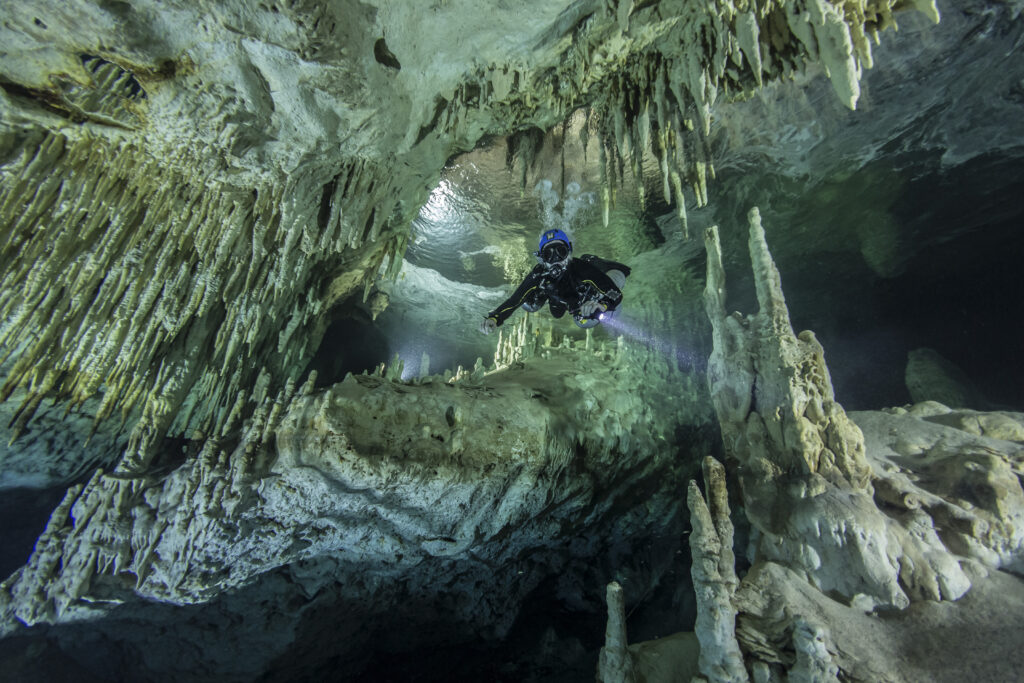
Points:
(413, 499)
(860, 514)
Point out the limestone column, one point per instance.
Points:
(615, 664)
(803, 473)
(714, 578)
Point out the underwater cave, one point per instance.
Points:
(256, 426)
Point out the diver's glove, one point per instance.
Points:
(591, 308)
(488, 325)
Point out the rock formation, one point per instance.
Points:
(844, 523)
(803, 468)
(192, 194)
(615, 663)
(714, 577)
(376, 482)
(196, 205)
(930, 377)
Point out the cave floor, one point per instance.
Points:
(980, 637)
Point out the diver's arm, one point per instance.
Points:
(509, 306)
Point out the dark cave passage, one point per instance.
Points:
(962, 295)
(962, 298)
(959, 293)
(350, 344)
(23, 516)
(957, 288)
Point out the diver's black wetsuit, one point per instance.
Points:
(582, 280)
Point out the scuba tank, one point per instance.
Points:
(608, 267)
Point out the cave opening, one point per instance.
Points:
(953, 292)
(929, 262)
(352, 343)
(961, 295)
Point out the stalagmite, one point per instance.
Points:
(850, 546)
(614, 664)
(714, 577)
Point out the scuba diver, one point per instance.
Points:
(588, 287)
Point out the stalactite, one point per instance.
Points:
(606, 196)
(733, 51)
(561, 154)
(155, 262)
(677, 187)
